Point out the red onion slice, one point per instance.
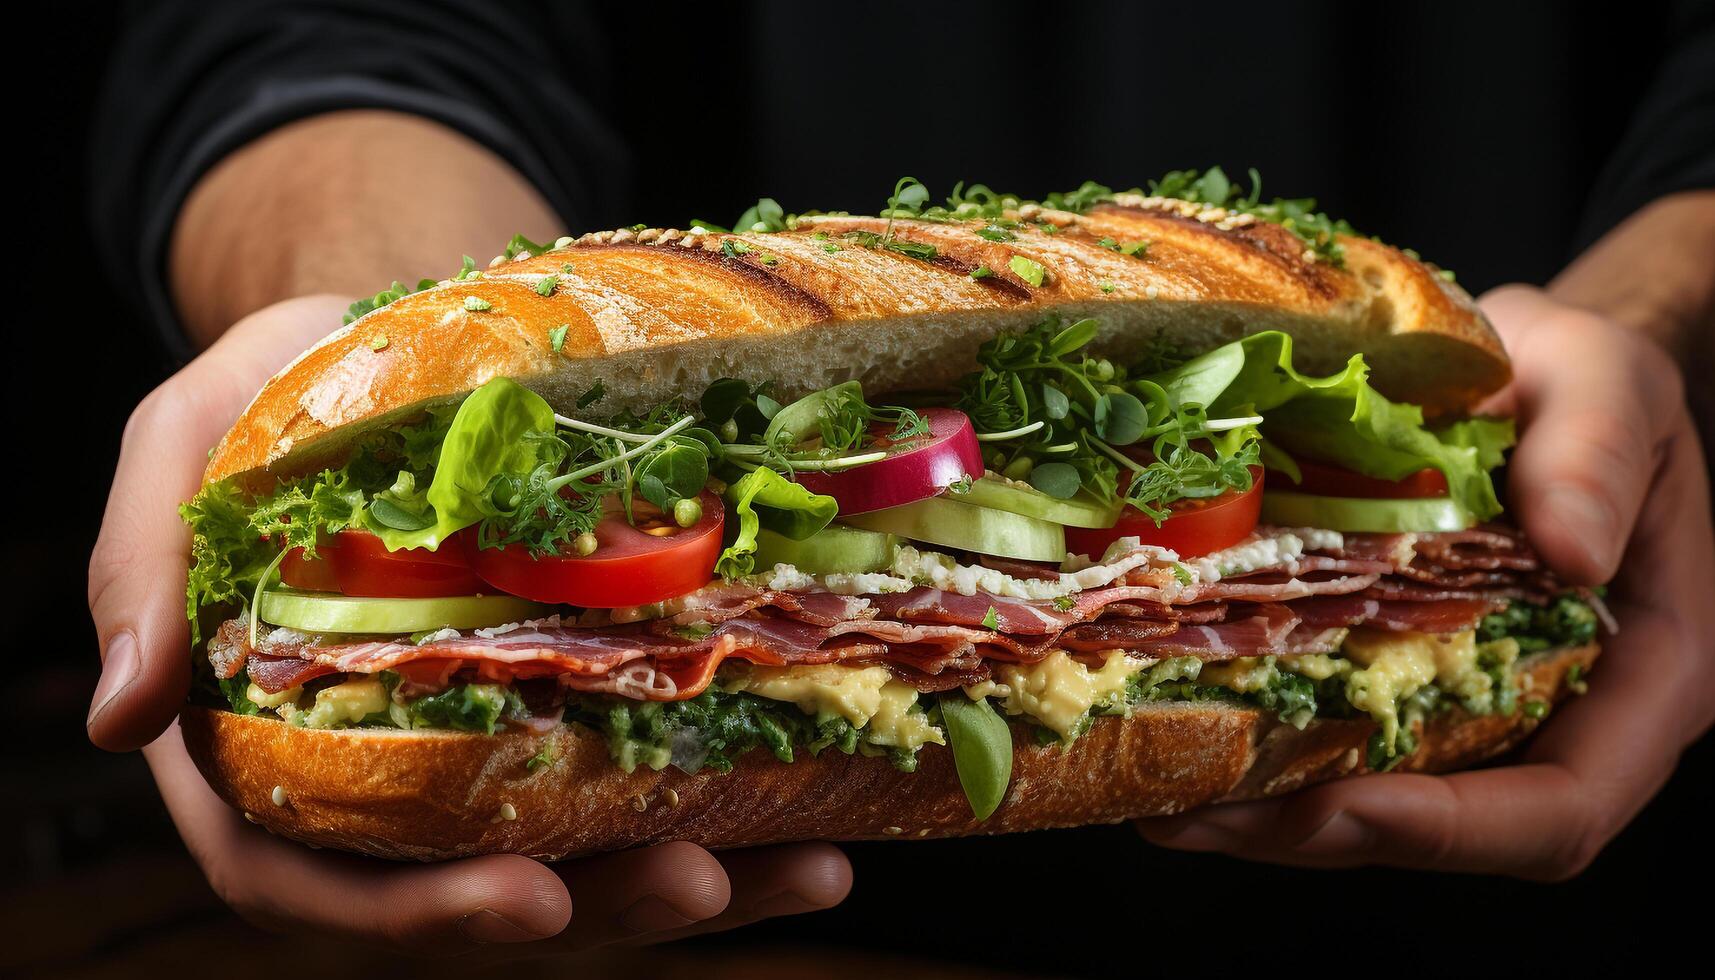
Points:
(919, 467)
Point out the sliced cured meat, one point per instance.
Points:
(1450, 616)
(1018, 568)
(1274, 589)
(276, 674)
(1309, 639)
(944, 680)
(1019, 616)
(1257, 635)
(1116, 634)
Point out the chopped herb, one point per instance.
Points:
(1065, 603)
(732, 248)
(1107, 242)
(1027, 269)
(1139, 249)
(557, 337)
(994, 233)
(378, 342)
(1182, 573)
(991, 619)
(546, 286)
(1536, 709)
(545, 758)
(476, 304)
(1107, 287)
(981, 272)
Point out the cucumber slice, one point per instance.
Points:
(328, 612)
(954, 524)
(1293, 509)
(1080, 510)
(835, 548)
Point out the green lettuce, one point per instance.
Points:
(465, 708)
(1341, 419)
(764, 498)
(490, 437)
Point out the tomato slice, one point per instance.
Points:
(363, 566)
(309, 574)
(1328, 480)
(631, 566)
(1196, 527)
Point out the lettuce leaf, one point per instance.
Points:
(764, 498)
(488, 438)
(1340, 419)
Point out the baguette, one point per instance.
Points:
(654, 314)
(431, 796)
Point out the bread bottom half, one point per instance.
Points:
(430, 795)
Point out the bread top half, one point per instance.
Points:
(657, 314)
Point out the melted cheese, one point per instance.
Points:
(1244, 675)
(863, 696)
(1059, 691)
(1392, 665)
(1317, 666)
(262, 699)
(347, 703)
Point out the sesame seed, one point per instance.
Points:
(638, 803)
(250, 817)
(278, 796)
(1151, 292)
(893, 831)
(508, 812)
(672, 797)
(562, 241)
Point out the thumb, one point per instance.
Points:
(1595, 405)
(136, 579)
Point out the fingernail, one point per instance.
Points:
(489, 926)
(651, 913)
(1590, 519)
(118, 670)
(1191, 835)
(785, 903)
(1341, 834)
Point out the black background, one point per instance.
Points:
(1477, 142)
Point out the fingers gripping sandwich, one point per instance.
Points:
(967, 518)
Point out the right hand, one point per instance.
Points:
(136, 594)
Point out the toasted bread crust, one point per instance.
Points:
(436, 795)
(656, 314)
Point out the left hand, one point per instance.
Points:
(1608, 476)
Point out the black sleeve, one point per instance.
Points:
(1670, 144)
(189, 82)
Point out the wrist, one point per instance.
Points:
(341, 203)
(1654, 272)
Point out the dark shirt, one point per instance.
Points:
(1497, 139)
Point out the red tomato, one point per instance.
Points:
(364, 567)
(310, 574)
(631, 566)
(1196, 527)
(1329, 480)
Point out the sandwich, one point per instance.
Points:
(972, 517)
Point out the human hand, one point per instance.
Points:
(136, 595)
(1608, 477)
